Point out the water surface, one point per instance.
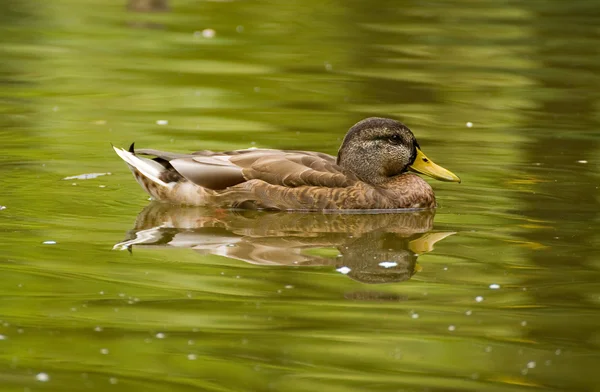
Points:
(498, 290)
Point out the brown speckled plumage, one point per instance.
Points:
(370, 172)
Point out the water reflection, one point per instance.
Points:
(369, 248)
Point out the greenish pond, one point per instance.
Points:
(498, 290)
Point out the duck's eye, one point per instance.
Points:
(395, 138)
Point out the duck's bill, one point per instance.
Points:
(424, 165)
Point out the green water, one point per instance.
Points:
(498, 291)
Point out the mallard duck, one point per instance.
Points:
(371, 171)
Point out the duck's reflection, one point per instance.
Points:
(370, 248)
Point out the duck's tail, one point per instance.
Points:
(142, 168)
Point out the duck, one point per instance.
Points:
(374, 170)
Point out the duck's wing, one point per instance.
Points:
(276, 167)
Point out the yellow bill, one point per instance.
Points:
(424, 165)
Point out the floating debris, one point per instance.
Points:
(43, 377)
(208, 33)
(87, 176)
(343, 270)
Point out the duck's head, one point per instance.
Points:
(376, 149)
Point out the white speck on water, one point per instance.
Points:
(289, 286)
(558, 351)
(104, 351)
(43, 377)
(190, 342)
(343, 270)
(414, 316)
(494, 286)
(328, 66)
(2, 208)
(208, 33)
(469, 124)
(160, 335)
(192, 357)
(20, 330)
(451, 328)
(582, 161)
(101, 186)
(113, 380)
(98, 328)
(73, 309)
(162, 122)
(49, 242)
(445, 268)
(256, 89)
(279, 291)
(86, 176)
(239, 29)
(531, 364)
(2, 337)
(469, 312)
(388, 264)
(523, 323)
(101, 293)
(74, 184)
(479, 298)
(488, 349)
(122, 295)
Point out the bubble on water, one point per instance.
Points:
(104, 351)
(388, 264)
(523, 323)
(479, 298)
(2, 208)
(192, 357)
(43, 377)
(582, 161)
(289, 286)
(469, 124)
(488, 349)
(328, 66)
(3, 337)
(98, 328)
(49, 242)
(208, 33)
(343, 270)
(415, 315)
(494, 286)
(531, 364)
(162, 122)
(113, 380)
(239, 29)
(451, 328)
(160, 335)
(190, 342)
(558, 351)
